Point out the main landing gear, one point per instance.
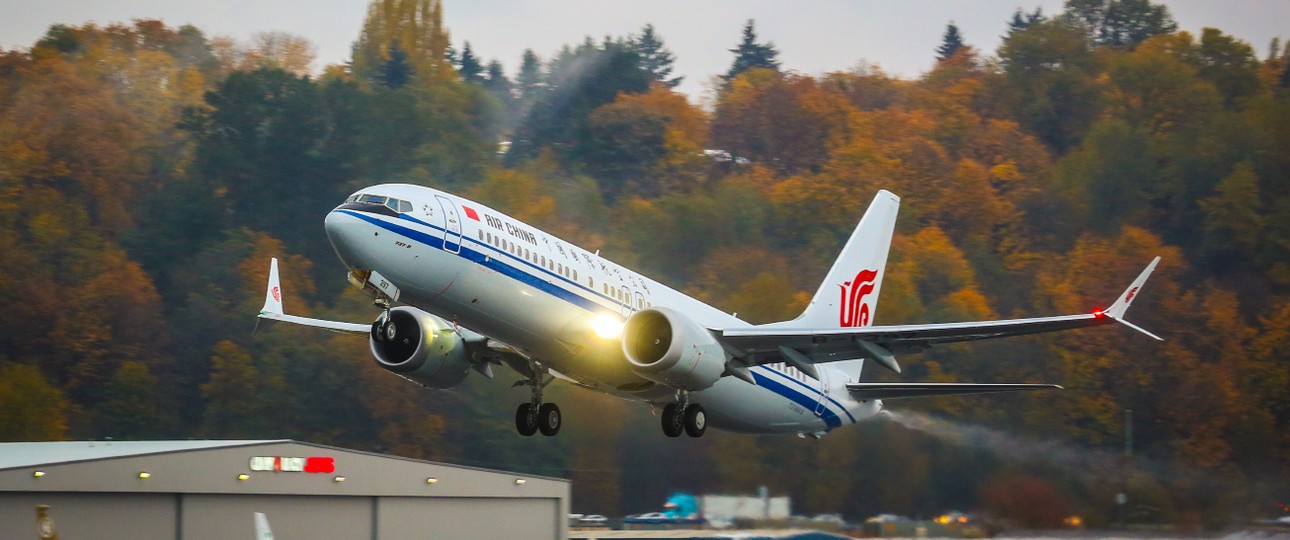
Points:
(684, 416)
(536, 416)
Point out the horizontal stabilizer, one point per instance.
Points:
(872, 391)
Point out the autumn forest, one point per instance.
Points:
(148, 173)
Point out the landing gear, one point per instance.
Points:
(526, 421)
(672, 423)
(536, 416)
(684, 417)
(549, 419)
(696, 421)
(384, 328)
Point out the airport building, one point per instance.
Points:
(205, 490)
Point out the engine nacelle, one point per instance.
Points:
(669, 348)
(421, 347)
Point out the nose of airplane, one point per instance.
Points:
(344, 234)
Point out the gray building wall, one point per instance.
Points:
(195, 495)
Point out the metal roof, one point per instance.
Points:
(27, 454)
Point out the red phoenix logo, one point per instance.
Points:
(854, 311)
(1129, 297)
(277, 296)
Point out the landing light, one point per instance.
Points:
(607, 327)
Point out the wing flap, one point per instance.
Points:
(872, 391)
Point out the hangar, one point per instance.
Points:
(200, 490)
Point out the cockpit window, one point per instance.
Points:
(397, 205)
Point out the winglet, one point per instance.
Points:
(1121, 305)
(272, 299)
(273, 294)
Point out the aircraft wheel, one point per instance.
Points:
(696, 421)
(672, 421)
(548, 419)
(526, 420)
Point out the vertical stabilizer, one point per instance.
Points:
(262, 531)
(849, 295)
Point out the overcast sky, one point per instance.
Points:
(813, 36)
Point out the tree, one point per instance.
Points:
(750, 54)
(1130, 22)
(395, 72)
(1050, 85)
(468, 65)
(655, 58)
(580, 81)
(1021, 20)
(951, 42)
(30, 409)
(1119, 22)
(133, 408)
(529, 80)
(239, 398)
(413, 26)
(1230, 64)
(787, 123)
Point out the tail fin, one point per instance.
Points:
(262, 531)
(849, 295)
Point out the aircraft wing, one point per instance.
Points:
(807, 346)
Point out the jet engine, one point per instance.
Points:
(669, 348)
(420, 347)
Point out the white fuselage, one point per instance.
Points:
(543, 296)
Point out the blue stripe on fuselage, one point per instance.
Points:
(491, 262)
(810, 391)
(830, 418)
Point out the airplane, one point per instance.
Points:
(462, 287)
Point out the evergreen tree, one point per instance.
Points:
(655, 58)
(750, 54)
(1022, 20)
(469, 67)
(1018, 22)
(496, 80)
(951, 42)
(530, 76)
(395, 72)
(501, 89)
(1284, 81)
